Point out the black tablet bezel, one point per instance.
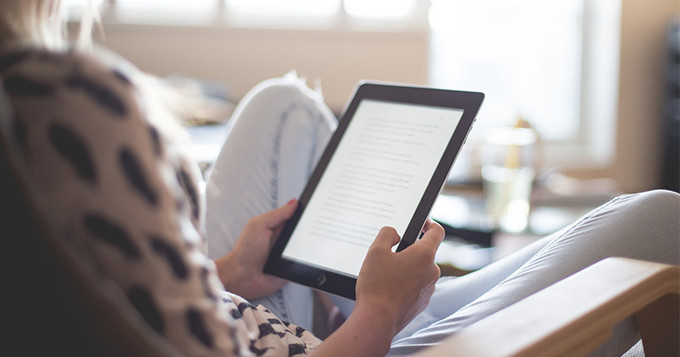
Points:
(344, 285)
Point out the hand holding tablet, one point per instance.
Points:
(384, 274)
(384, 166)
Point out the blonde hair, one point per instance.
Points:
(42, 23)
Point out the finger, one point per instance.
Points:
(279, 215)
(436, 273)
(387, 237)
(433, 234)
(428, 224)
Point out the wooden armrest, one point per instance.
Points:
(577, 314)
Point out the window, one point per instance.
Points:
(79, 4)
(295, 14)
(524, 54)
(76, 2)
(290, 7)
(380, 8)
(354, 8)
(156, 4)
(552, 62)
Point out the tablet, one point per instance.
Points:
(384, 166)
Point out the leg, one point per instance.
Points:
(641, 226)
(452, 293)
(279, 131)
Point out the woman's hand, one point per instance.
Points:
(400, 284)
(241, 269)
(391, 290)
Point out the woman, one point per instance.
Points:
(104, 168)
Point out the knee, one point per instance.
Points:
(662, 211)
(283, 92)
(285, 97)
(641, 225)
(662, 202)
(655, 212)
(651, 210)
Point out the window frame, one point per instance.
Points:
(219, 15)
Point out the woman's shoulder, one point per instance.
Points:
(35, 72)
(45, 62)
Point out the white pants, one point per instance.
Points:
(279, 131)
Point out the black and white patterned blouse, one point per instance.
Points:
(102, 176)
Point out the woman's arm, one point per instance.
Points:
(391, 290)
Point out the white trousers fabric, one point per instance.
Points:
(279, 131)
(642, 226)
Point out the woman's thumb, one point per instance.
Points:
(279, 215)
(387, 237)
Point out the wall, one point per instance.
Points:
(242, 57)
(641, 92)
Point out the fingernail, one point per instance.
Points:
(290, 202)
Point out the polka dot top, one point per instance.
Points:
(104, 178)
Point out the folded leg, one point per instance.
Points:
(279, 130)
(641, 226)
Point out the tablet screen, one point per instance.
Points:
(376, 177)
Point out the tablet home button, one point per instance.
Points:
(320, 280)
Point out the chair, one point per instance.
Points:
(56, 304)
(577, 314)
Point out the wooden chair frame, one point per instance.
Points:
(576, 315)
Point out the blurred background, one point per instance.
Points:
(590, 89)
(591, 76)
